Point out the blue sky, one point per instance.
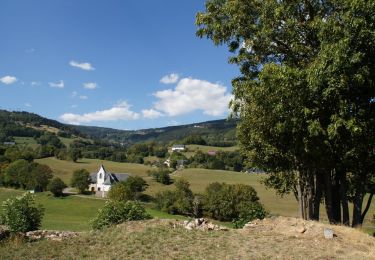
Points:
(114, 63)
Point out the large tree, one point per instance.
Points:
(305, 96)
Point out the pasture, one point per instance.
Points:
(75, 211)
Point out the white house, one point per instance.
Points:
(102, 181)
(178, 148)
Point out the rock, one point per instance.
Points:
(200, 224)
(301, 229)
(328, 233)
(50, 235)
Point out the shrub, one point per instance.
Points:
(115, 212)
(249, 211)
(80, 180)
(179, 201)
(238, 203)
(56, 186)
(21, 214)
(131, 189)
(161, 175)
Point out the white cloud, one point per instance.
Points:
(74, 94)
(28, 105)
(74, 106)
(170, 79)
(83, 97)
(120, 111)
(191, 95)
(90, 85)
(35, 83)
(83, 65)
(59, 84)
(8, 80)
(151, 113)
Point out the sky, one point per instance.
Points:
(113, 63)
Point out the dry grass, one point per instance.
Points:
(156, 239)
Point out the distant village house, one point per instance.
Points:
(178, 148)
(102, 181)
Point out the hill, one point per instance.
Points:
(159, 239)
(25, 124)
(216, 133)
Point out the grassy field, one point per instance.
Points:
(72, 212)
(193, 148)
(198, 178)
(29, 141)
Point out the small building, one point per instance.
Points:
(102, 181)
(9, 143)
(211, 153)
(178, 148)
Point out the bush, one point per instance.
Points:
(131, 189)
(179, 201)
(56, 186)
(161, 175)
(249, 211)
(238, 203)
(115, 212)
(21, 214)
(80, 180)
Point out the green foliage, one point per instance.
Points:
(305, 96)
(161, 175)
(39, 177)
(74, 154)
(21, 214)
(178, 201)
(16, 153)
(194, 139)
(116, 212)
(56, 186)
(131, 189)
(80, 180)
(26, 175)
(236, 202)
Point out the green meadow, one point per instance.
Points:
(74, 212)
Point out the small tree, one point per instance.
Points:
(161, 175)
(56, 186)
(233, 202)
(21, 214)
(131, 189)
(179, 201)
(116, 212)
(80, 180)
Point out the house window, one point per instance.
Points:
(98, 189)
(100, 176)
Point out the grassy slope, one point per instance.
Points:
(71, 212)
(158, 240)
(198, 178)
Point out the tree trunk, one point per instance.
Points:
(301, 200)
(366, 208)
(344, 200)
(317, 197)
(357, 209)
(336, 201)
(328, 196)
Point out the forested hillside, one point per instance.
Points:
(216, 133)
(25, 124)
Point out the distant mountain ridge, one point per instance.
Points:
(15, 123)
(217, 132)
